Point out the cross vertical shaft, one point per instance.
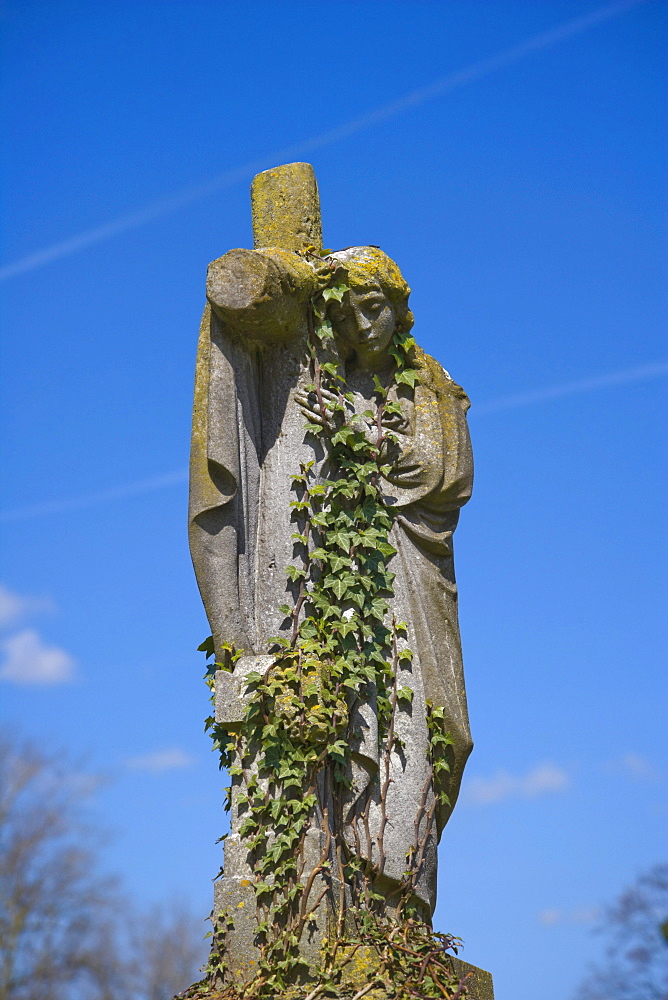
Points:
(286, 208)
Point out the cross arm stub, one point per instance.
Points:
(262, 292)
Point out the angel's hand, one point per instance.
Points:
(310, 406)
(395, 421)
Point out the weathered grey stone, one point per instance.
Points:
(234, 897)
(231, 689)
(478, 982)
(253, 390)
(260, 293)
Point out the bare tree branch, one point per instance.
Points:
(66, 932)
(636, 963)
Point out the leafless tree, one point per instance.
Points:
(66, 933)
(168, 949)
(636, 960)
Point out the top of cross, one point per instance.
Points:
(286, 208)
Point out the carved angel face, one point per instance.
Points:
(366, 320)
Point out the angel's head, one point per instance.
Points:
(375, 307)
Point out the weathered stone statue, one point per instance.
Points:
(330, 458)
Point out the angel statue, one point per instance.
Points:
(330, 459)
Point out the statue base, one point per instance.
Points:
(479, 985)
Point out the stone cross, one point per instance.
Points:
(373, 830)
(285, 208)
(286, 215)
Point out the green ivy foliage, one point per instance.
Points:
(290, 764)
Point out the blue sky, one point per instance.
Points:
(524, 199)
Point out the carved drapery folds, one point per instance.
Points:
(254, 385)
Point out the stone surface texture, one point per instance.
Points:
(248, 439)
(286, 208)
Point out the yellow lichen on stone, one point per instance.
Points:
(371, 266)
(286, 208)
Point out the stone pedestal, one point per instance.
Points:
(234, 897)
(234, 894)
(479, 985)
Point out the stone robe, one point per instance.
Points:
(430, 481)
(248, 440)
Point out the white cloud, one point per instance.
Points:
(632, 766)
(170, 759)
(582, 915)
(14, 606)
(539, 780)
(638, 767)
(28, 660)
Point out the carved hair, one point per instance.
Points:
(369, 267)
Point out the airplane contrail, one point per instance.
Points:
(100, 496)
(436, 88)
(653, 370)
(640, 373)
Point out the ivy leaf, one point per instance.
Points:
(349, 490)
(338, 751)
(441, 765)
(337, 584)
(324, 329)
(206, 646)
(405, 694)
(342, 539)
(313, 428)
(329, 368)
(409, 376)
(279, 640)
(342, 435)
(335, 292)
(378, 607)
